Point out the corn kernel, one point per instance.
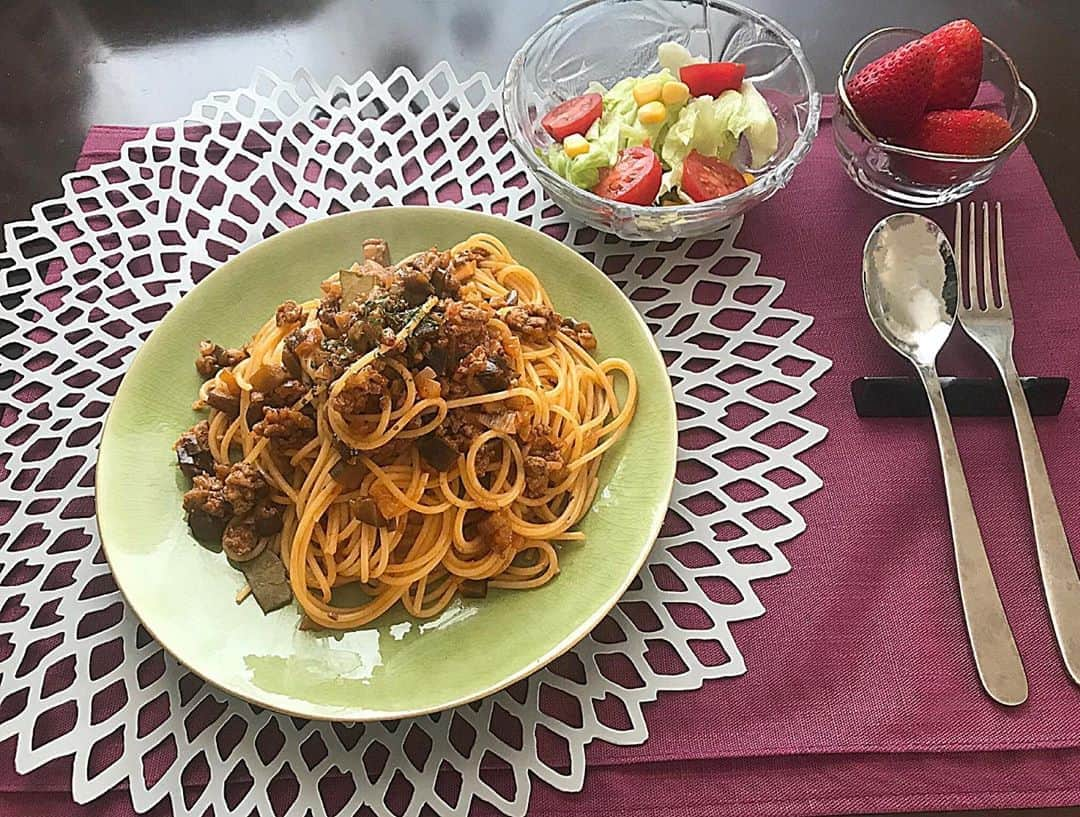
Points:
(646, 91)
(674, 93)
(651, 113)
(575, 145)
(749, 177)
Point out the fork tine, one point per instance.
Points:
(965, 300)
(972, 260)
(988, 275)
(1003, 280)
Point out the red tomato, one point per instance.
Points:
(573, 116)
(704, 177)
(635, 178)
(712, 78)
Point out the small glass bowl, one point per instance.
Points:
(607, 40)
(918, 178)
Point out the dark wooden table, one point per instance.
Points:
(66, 65)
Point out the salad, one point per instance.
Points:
(665, 138)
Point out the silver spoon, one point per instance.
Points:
(909, 281)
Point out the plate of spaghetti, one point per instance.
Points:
(421, 452)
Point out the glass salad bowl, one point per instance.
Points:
(607, 40)
(917, 178)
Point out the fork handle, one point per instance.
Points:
(996, 656)
(1056, 562)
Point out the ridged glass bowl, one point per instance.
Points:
(607, 40)
(917, 178)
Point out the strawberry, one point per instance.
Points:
(967, 132)
(958, 69)
(890, 93)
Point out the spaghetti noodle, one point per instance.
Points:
(422, 430)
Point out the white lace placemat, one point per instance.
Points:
(92, 272)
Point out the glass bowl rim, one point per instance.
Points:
(902, 150)
(770, 180)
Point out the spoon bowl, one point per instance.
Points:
(909, 280)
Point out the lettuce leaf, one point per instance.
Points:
(757, 123)
(702, 126)
(619, 125)
(580, 171)
(712, 127)
(673, 56)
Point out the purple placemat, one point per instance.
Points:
(861, 694)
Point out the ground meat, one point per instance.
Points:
(206, 362)
(207, 495)
(193, 450)
(535, 323)
(305, 342)
(544, 466)
(464, 331)
(496, 531)
(288, 313)
(239, 539)
(331, 288)
(285, 394)
(285, 424)
(377, 250)
(305, 345)
(330, 361)
(328, 309)
(466, 325)
(364, 393)
(481, 372)
(212, 358)
(461, 269)
(427, 262)
(460, 428)
(472, 364)
(342, 320)
(244, 486)
(580, 332)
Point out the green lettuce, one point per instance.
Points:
(703, 125)
(673, 56)
(619, 127)
(581, 171)
(712, 127)
(757, 122)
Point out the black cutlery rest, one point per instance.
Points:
(965, 396)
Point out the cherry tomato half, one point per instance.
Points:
(573, 116)
(704, 177)
(635, 178)
(712, 78)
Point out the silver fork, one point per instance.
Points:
(991, 326)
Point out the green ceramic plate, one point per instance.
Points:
(184, 594)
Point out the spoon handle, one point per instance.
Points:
(996, 656)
